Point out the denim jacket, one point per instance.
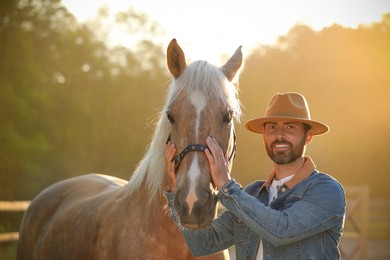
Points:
(305, 221)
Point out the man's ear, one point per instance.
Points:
(309, 137)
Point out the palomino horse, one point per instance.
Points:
(102, 217)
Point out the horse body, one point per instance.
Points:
(103, 217)
(87, 227)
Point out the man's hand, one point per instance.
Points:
(219, 164)
(170, 166)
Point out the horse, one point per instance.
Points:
(96, 216)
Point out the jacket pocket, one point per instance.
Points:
(241, 231)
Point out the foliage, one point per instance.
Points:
(70, 105)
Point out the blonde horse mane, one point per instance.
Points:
(199, 76)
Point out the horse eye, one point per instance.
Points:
(228, 116)
(170, 118)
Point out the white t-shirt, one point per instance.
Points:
(273, 194)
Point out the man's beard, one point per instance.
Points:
(288, 156)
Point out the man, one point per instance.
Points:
(297, 213)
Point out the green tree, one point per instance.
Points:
(69, 103)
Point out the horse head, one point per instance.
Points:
(202, 102)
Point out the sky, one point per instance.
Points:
(208, 29)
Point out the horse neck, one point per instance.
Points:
(140, 208)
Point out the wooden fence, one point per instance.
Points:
(355, 237)
(12, 206)
(354, 240)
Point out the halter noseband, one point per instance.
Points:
(199, 148)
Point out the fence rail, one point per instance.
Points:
(12, 206)
(9, 236)
(365, 218)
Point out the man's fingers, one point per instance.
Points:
(209, 156)
(171, 150)
(170, 168)
(214, 147)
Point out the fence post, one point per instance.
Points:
(354, 240)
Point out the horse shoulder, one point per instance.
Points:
(56, 213)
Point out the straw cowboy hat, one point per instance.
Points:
(289, 106)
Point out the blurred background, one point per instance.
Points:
(82, 83)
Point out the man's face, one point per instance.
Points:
(285, 141)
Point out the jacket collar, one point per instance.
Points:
(304, 172)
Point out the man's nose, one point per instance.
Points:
(280, 133)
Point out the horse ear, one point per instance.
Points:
(175, 59)
(233, 65)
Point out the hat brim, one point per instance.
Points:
(257, 125)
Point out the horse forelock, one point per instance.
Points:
(213, 83)
(203, 77)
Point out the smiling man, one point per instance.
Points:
(297, 213)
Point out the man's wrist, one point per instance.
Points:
(227, 186)
(223, 183)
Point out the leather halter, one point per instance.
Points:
(198, 148)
